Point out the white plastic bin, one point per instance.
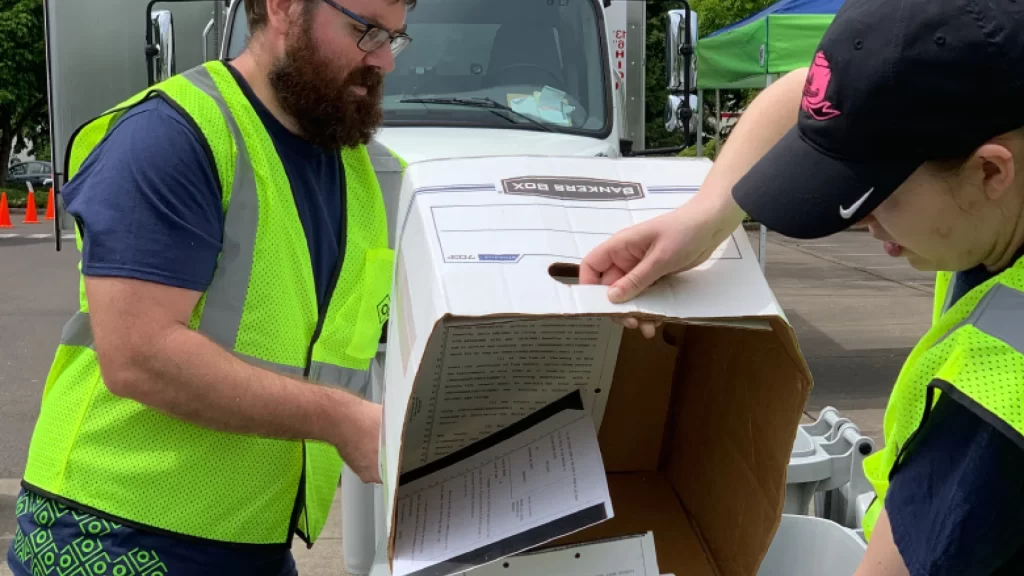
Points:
(808, 466)
(826, 467)
(808, 546)
(362, 509)
(803, 546)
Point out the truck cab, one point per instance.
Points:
(481, 78)
(484, 78)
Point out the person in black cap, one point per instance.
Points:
(873, 132)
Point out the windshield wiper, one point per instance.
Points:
(485, 103)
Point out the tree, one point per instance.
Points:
(23, 92)
(712, 15)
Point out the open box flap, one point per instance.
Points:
(471, 248)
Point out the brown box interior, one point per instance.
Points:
(696, 439)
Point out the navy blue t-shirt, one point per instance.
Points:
(956, 501)
(148, 201)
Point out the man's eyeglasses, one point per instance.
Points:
(374, 37)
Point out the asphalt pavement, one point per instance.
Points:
(856, 312)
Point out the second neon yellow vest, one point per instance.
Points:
(973, 351)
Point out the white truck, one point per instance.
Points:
(547, 77)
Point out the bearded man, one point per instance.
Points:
(234, 279)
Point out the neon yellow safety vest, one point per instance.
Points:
(134, 464)
(974, 352)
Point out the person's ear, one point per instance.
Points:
(281, 14)
(993, 169)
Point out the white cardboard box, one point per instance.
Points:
(695, 426)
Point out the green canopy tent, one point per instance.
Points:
(776, 40)
(754, 51)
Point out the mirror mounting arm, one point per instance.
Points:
(686, 50)
(152, 50)
(680, 38)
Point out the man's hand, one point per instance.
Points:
(359, 445)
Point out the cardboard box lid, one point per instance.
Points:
(482, 238)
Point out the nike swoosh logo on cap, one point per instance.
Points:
(847, 213)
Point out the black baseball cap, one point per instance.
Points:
(893, 84)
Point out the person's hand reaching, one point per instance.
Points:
(633, 259)
(636, 257)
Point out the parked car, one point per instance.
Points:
(35, 171)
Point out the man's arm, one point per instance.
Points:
(636, 257)
(147, 353)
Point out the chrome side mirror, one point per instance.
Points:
(672, 123)
(160, 47)
(680, 61)
(681, 73)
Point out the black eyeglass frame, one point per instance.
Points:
(398, 41)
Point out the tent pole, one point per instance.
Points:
(718, 124)
(699, 117)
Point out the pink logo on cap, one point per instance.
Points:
(818, 77)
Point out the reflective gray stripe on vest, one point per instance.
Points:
(355, 381)
(295, 371)
(225, 298)
(999, 314)
(950, 290)
(389, 175)
(78, 331)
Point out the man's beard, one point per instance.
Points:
(328, 112)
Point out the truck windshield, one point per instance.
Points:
(541, 58)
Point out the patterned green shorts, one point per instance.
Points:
(64, 542)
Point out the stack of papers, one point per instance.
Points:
(530, 483)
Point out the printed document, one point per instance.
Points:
(533, 482)
(489, 374)
(626, 556)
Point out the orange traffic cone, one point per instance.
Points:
(30, 211)
(49, 205)
(5, 212)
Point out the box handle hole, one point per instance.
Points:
(565, 273)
